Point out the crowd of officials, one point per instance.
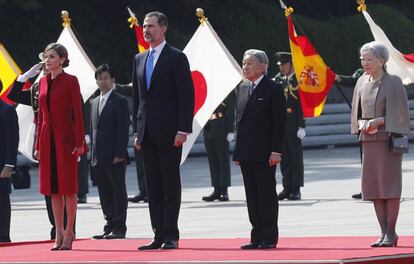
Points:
(262, 115)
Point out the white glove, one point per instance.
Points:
(230, 137)
(301, 133)
(87, 139)
(35, 70)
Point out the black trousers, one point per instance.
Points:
(83, 174)
(219, 161)
(291, 165)
(142, 185)
(113, 195)
(262, 203)
(5, 210)
(162, 172)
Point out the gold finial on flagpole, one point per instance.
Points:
(132, 19)
(66, 19)
(361, 5)
(200, 14)
(288, 11)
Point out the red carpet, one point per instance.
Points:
(290, 250)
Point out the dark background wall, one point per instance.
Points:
(335, 27)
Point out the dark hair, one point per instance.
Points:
(161, 18)
(60, 50)
(104, 68)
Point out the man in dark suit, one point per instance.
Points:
(163, 106)
(260, 120)
(291, 165)
(110, 127)
(9, 142)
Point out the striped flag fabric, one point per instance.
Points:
(314, 77)
(8, 73)
(139, 33)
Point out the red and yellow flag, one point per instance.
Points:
(8, 73)
(314, 77)
(139, 33)
(142, 44)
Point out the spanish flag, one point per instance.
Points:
(314, 77)
(8, 73)
(139, 33)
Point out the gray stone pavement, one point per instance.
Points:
(327, 209)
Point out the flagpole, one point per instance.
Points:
(67, 23)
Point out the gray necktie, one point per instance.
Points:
(101, 105)
(251, 88)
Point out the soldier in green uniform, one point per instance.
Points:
(292, 157)
(218, 133)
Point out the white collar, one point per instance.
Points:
(158, 48)
(257, 81)
(106, 96)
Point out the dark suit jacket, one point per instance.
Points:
(110, 130)
(9, 134)
(260, 121)
(168, 106)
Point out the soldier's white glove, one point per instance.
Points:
(230, 137)
(35, 70)
(301, 133)
(87, 139)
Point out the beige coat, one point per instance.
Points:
(381, 168)
(391, 102)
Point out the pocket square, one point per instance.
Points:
(260, 99)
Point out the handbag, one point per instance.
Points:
(398, 143)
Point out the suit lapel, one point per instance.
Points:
(140, 70)
(94, 110)
(162, 59)
(255, 95)
(107, 105)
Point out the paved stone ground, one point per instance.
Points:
(327, 209)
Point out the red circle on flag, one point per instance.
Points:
(200, 90)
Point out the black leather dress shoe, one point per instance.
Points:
(285, 193)
(250, 246)
(223, 198)
(170, 244)
(213, 196)
(357, 196)
(295, 196)
(82, 200)
(102, 236)
(138, 198)
(267, 245)
(155, 244)
(115, 235)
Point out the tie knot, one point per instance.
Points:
(152, 52)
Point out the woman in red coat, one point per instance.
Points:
(60, 139)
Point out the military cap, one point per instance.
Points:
(283, 57)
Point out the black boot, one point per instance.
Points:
(295, 195)
(224, 195)
(285, 193)
(213, 196)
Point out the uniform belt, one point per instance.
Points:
(216, 116)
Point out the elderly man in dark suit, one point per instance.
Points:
(110, 127)
(163, 105)
(260, 120)
(9, 142)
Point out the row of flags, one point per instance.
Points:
(214, 70)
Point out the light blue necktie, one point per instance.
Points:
(149, 68)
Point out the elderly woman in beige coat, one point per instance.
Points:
(380, 107)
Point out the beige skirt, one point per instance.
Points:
(381, 171)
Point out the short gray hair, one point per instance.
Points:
(260, 55)
(378, 49)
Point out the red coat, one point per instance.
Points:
(66, 120)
